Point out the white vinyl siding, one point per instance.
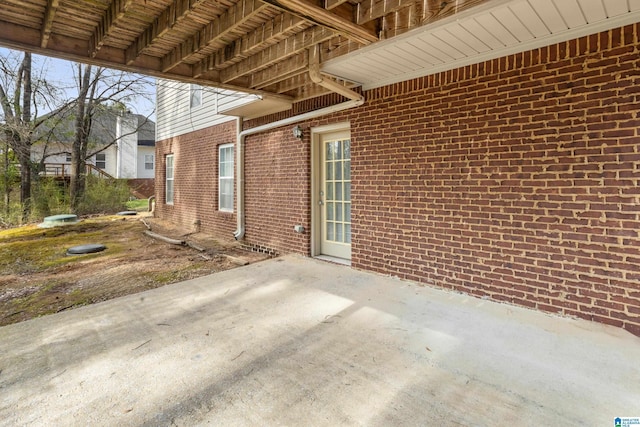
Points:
(169, 180)
(225, 178)
(175, 116)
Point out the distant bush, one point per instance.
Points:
(49, 197)
(103, 196)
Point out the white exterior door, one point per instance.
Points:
(334, 194)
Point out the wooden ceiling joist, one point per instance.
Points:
(161, 25)
(116, 11)
(236, 15)
(281, 71)
(269, 33)
(52, 8)
(325, 18)
(278, 52)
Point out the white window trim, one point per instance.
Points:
(167, 179)
(221, 178)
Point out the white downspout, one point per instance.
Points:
(239, 233)
(355, 100)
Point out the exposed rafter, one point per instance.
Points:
(117, 10)
(278, 52)
(236, 15)
(169, 17)
(325, 18)
(52, 8)
(253, 42)
(331, 4)
(280, 71)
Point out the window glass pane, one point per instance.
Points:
(169, 191)
(347, 212)
(329, 151)
(339, 237)
(338, 149)
(338, 171)
(338, 211)
(347, 191)
(347, 170)
(346, 149)
(329, 191)
(330, 171)
(330, 215)
(339, 191)
(347, 233)
(330, 231)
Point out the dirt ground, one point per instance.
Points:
(37, 277)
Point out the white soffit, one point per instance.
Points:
(258, 107)
(492, 30)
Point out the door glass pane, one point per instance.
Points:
(347, 191)
(338, 171)
(347, 149)
(347, 233)
(330, 215)
(330, 171)
(338, 191)
(330, 233)
(338, 211)
(347, 169)
(347, 212)
(329, 190)
(338, 149)
(339, 237)
(329, 151)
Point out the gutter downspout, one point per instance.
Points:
(355, 100)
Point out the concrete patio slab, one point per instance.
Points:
(296, 341)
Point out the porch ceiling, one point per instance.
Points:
(265, 46)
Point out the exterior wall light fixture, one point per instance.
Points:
(297, 132)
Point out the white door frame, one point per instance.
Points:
(316, 173)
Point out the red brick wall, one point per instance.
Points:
(195, 180)
(277, 191)
(516, 179)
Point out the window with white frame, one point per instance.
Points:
(148, 162)
(101, 161)
(195, 96)
(169, 179)
(67, 157)
(225, 177)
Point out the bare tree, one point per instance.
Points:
(99, 90)
(94, 91)
(18, 128)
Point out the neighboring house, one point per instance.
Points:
(129, 140)
(513, 175)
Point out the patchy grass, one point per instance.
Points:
(140, 205)
(31, 249)
(37, 277)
